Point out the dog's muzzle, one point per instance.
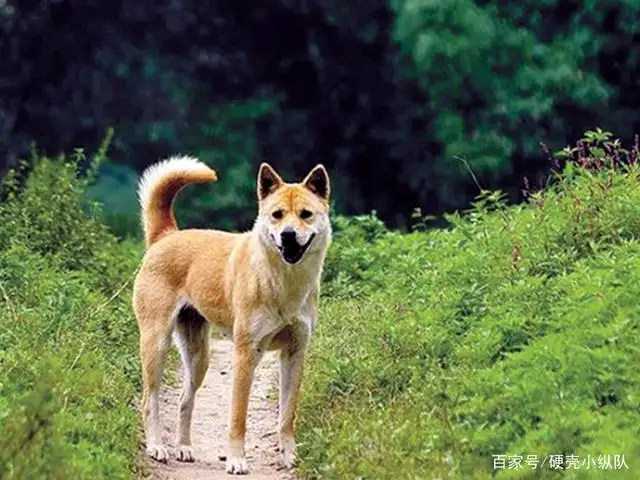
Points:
(290, 249)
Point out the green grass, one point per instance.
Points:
(515, 332)
(68, 339)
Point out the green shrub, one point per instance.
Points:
(514, 332)
(68, 340)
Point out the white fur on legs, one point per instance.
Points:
(184, 451)
(237, 465)
(191, 338)
(155, 449)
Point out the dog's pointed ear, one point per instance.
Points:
(318, 182)
(268, 181)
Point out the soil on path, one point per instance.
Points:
(209, 428)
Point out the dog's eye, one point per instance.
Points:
(304, 214)
(278, 214)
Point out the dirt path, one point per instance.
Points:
(209, 431)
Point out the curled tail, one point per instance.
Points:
(158, 187)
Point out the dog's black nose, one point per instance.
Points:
(288, 235)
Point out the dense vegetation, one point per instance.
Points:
(515, 332)
(68, 340)
(387, 93)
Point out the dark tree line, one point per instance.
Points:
(388, 94)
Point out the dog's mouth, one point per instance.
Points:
(292, 251)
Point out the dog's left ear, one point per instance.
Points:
(318, 182)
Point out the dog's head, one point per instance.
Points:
(294, 217)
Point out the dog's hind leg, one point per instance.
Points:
(191, 336)
(153, 351)
(156, 323)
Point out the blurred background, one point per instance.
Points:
(398, 98)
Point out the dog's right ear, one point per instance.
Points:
(268, 181)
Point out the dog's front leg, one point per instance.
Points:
(245, 359)
(291, 362)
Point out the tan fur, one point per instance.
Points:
(238, 281)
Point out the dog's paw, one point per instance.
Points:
(158, 452)
(237, 466)
(287, 446)
(289, 458)
(184, 453)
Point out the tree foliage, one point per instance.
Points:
(387, 94)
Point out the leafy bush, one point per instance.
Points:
(350, 258)
(68, 340)
(514, 332)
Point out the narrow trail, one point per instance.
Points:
(209, 430)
